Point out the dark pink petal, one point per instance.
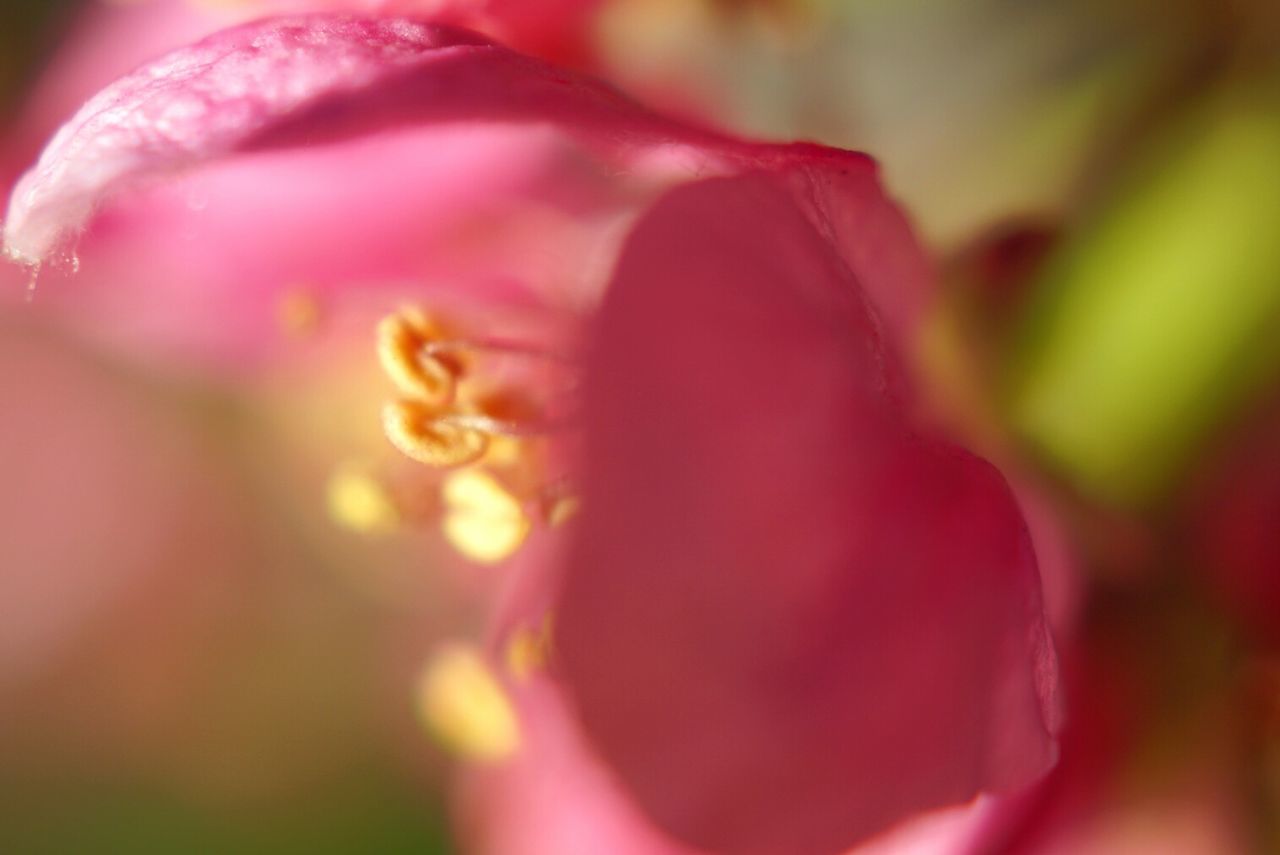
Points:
(553, 797)
(788, 622)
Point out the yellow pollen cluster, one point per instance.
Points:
(482, 520)
(359, 501)
(420, 433)
(463, 705)
(445, 419)
(421, 424)
(402, 344)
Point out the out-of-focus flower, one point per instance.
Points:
(789, 617)
(1232, 514)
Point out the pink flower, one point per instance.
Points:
(789, 617)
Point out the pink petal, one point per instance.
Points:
(290, 84)
(200, 102)
(103, 493)
(789, 622)
(553, 797)
(197, 266)
(106, 40)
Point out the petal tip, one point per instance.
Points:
(201, 101)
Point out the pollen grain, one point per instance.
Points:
(464, 706)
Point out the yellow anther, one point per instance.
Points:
(529, 650)
(402, 338)
(482, 520)
(420, 433)
(464, 706)
(298, 313)
(359, 502)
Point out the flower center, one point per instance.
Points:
(487, 416)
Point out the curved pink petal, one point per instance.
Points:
(558, 30)
(280, 88)
(102, 494)
(789, 622)
(200, 102)
(106, 40)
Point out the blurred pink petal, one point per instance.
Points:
(789, 622)
(102, 492)
(555, 796)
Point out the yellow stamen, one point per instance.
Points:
(359, 502)
(419, 432)
(464, 706)
(402, 338)
(482, 520)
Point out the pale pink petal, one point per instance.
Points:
(789, 622)
(102, 42)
